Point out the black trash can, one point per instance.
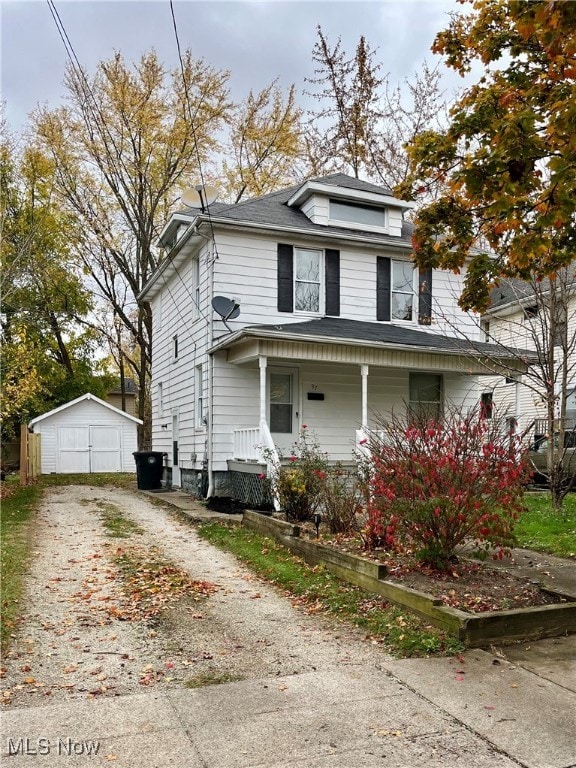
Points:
(149, 467)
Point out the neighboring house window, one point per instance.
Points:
(308, 280)
(531, 312)
(425, 396)
(175, 346)
(358, 214)
(485, 330)
(196, 287)
(160, 395)
(396, 291)
(486, 405)
(199, 390)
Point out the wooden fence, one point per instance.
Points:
(30, 455)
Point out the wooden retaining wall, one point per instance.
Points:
(474, 630)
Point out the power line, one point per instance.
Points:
(191, 118)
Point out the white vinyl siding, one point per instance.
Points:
(247, 271)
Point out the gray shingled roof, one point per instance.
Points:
(509, 291)
(272, 210)
(387, 334)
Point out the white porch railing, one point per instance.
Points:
(256, 444)
(248, 444)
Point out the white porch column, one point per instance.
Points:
(262, 362)
(364, 374)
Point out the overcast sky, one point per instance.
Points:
(257, 41)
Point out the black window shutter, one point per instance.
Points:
(382, 288)
(285, 278)
(425, 296)
(332, 282)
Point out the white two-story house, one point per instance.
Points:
(538, 316)
(301, 307)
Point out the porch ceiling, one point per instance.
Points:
(336, 340)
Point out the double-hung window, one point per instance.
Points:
(425, 397)
(196, 287)
(307, 280)
(199, 393)
(403, 292)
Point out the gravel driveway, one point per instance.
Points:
(74, 643)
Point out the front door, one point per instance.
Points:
(175, 438)
(283, 405)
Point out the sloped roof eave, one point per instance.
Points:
(499, 355)
(87, 396)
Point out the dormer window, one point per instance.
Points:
(361, 215)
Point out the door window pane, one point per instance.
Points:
(281, 402)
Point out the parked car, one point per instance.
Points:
(538, 456)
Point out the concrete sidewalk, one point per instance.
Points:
(479, 711)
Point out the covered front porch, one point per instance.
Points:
(334, 379)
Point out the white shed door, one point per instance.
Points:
(105, 449)
(89, 449)
(73, 449)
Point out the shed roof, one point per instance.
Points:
(87, 396)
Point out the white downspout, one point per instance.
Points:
(209, 420)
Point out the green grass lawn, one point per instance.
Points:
(15, 533)
(546, 530)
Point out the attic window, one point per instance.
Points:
(531, 311)
(358, 214)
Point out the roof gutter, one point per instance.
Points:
(310, 338)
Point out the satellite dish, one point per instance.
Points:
(200, 196)
(228, 309)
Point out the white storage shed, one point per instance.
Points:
(87, 435)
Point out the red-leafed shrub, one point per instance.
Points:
(435, 485)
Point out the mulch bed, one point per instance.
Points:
(467, 585)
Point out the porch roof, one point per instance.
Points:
(374, 343)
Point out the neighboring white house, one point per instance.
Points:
(87, 435)
(521, 315)
(320, 319)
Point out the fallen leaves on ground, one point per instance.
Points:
(150, 583)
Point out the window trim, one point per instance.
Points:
(413, 293)
(321, 283)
